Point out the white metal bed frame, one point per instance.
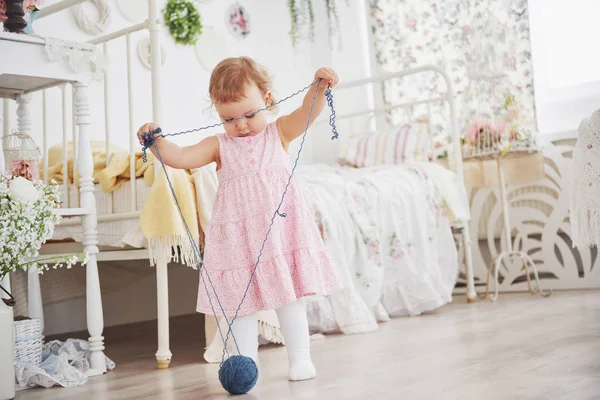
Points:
(456, 164)
(85, 213)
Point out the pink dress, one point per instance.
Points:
(294, 263)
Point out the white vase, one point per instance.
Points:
(7, 352)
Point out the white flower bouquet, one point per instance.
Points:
(28, 215)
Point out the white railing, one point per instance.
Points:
(68, 114)
(58, 6)
(448, 97)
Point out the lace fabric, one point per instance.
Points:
(63, 363)
(585, 184)
(82, 57)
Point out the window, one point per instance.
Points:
(566, 61)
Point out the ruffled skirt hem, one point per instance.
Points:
(275, 283)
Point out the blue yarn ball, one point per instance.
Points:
(238, 374)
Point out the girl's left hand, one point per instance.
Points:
(328, 75)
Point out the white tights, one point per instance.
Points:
(294, 327)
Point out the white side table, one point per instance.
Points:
(522, 167)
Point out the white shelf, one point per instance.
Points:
(25, 66)
(72, 212)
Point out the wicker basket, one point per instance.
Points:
(28, 341)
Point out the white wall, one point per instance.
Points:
(133, 303)
(185, 100)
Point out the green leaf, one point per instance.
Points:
(183, 20)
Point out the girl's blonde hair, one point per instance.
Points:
(230, 76)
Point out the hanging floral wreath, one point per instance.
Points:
(183, 21)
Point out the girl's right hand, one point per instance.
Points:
(147, 127)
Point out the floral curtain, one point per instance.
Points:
(464, 37)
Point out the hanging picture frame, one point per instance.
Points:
(211, 48)
(144, 53)
(237, 21)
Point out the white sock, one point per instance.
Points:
(294, 328)
(245, 331)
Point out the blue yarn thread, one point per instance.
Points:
(148, 137)
(238, 374)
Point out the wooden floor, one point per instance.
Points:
(522, 347)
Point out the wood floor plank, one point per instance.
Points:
(521, 347)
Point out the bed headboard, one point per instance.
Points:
(376, 109)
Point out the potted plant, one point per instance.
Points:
(28, 215)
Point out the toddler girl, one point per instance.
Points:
(253, 168)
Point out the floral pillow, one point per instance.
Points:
(404, 143)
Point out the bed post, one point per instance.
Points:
(35, 307)
(163, 354)
(458, 168)
(5, 282)
(95, 318)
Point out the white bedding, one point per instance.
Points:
(388, 232)
(118, 233)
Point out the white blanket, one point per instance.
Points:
(387, 231)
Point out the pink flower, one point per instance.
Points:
(411, 20)
(2, 11)
(31, 5)
(475, 127)
(501, 125)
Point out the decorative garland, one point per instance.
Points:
(84, 22)
(300, 11)
(334, 22)
(183, 21)
(303, 21)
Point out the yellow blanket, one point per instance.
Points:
(110, 176)
(160, 220)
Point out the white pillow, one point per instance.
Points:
(404, 143)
